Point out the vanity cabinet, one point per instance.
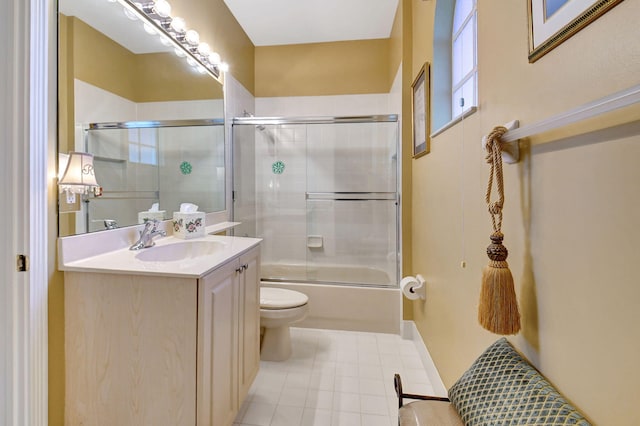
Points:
(249, 311)
(229, 317)
(158, 350)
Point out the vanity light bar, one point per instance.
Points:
(157, 15)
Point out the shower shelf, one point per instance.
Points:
(315, 241)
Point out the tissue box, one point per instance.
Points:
(145, 216)
(188, 225)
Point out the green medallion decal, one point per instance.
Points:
(278, 167)
(185, 168)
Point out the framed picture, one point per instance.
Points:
(420, 105)
(551, 22)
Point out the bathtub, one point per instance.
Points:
(337, 300)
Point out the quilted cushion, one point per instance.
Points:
(501, 388)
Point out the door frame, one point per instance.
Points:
(27, 122)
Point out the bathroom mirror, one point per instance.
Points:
(152, 121)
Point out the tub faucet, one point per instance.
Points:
(146, 235)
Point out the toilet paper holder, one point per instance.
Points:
(420, 289)
(414, 288)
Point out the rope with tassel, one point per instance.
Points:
(498, 308)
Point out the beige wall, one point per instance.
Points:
(339, 68)
(571, 208)
(162, 78)
(217, 26)
(402, 41)
(153, 77)
(570, 219)
(395, 43)
(102, 65)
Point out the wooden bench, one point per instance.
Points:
(500, 388)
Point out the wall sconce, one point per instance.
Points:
(78, 176)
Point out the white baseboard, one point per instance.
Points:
(409, 331)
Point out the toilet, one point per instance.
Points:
(279, 308)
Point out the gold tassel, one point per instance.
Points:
(498, 309)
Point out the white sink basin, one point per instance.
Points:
(183, 250)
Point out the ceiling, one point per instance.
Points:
(266, 22)
(278, 22)
(109, 19)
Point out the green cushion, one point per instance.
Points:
(501, 388)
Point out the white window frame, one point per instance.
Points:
(139, 143)
(471, 19)
(442, 111)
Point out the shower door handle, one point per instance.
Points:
(351, 196)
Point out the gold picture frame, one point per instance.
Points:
(551, 22)
(420, 111)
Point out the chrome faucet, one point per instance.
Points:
(110, 224)
(146, 235)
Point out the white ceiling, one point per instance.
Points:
(266, 22)
(109, 19)
(277, 22)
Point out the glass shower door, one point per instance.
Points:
(322, 195)
(351, 203)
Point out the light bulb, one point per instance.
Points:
(204, 49)
(224, 67)
(178, 25)
(214, 58)
(162, 8)
(149, 28)
(191, 61)
(129, 14)
(165, 40)
(192, 37)
(179, 52)
(201, 69)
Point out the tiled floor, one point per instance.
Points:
(334, 378)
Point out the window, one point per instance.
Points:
(143, 146)
(454, 71)
(464, 60)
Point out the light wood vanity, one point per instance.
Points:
(142, 348)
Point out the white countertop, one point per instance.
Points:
(125, 261)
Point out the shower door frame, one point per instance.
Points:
(381, 118)
(144, 124)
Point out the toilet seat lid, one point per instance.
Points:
(280, 298)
